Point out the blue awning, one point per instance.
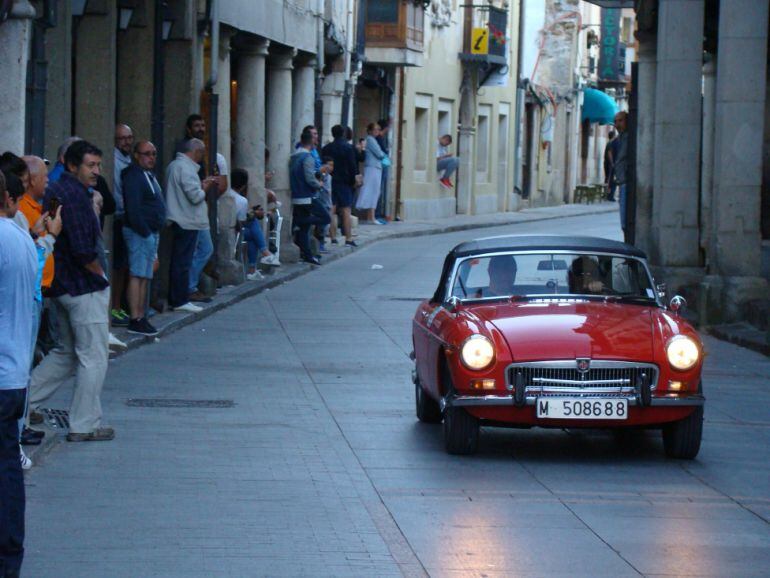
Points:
(598, 107)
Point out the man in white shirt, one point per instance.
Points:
(187, 210)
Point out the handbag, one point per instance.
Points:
(386, 162)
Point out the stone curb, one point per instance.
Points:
(742, 334)
(289, 272)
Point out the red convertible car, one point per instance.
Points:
(555, 331)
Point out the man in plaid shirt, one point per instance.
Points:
(80, 293)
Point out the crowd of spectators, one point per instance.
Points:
(63, 289)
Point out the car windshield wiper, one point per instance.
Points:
(629, 299)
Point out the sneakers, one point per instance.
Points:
(379, 222)
(334, 241)
(446, 183)
(35, 417)
(322, 247)
(31, 437)
(312, 260)
(115, 342)
(351, 243)
(255, 276)
(100, 434)
(26, 463)
(188, 307)
(271, 260)
(119, 318)
(141, 327)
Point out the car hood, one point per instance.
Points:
(567, 330)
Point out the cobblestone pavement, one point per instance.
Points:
(320, 468)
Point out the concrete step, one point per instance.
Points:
(758, 313)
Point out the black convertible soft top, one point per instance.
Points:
(546, 243)
(531, 243)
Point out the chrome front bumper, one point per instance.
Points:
(691, 400)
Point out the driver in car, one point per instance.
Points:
(502, 277)
(584, 276)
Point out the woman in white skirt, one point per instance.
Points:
(370, 191)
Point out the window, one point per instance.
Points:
(421, 137)
(385, 11)
(482, 143)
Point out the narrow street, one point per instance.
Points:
(319, 467)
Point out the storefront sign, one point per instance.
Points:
(609, 57)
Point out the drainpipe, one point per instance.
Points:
(349, 84)
(211, 123)
(158, 86)
(320, 63)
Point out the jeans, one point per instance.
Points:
(304, 217)
(623, 206)
(38, 312)
(446, 167)
(184, 242)
(255, 240)
(12, 501)
(82, 351)
(203, 250)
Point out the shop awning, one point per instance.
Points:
(598, 107)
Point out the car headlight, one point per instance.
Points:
(477, 352)
(682, 352)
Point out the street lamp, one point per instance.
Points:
(125, 13)
(79, 7)
(168, 21)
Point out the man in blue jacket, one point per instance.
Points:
(305, 185)
(145, 215)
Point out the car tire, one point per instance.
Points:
(426, 408)
(681, 439)
(461, 431)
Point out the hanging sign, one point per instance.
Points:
(480, 41)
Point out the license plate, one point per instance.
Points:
(583, 408)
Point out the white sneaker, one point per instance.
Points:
(255, 276)
(189, 308)
(115, 342)
(271, 260)
(26, 463)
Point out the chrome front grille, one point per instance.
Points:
(602, 378)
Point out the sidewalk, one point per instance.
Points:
(367, 234)
(167, 323)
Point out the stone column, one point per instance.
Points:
(95, 80)
(466, 150)
(677, 133)
(707, 164)
(249, 150)
(280, 142)
(303, 96)
(222, 88)
(645, 140)
(15, 36)
(135, 48)
(58, 96)
(738, 140)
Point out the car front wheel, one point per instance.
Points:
(461, 431)
(682, 438)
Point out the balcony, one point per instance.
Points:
(394, 32)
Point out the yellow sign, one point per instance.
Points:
(480, 41)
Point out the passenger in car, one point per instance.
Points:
(584, 276)
(502, 277)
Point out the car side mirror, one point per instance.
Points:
(661, 289)
(677, 305)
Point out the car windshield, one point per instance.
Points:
(546, 274)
